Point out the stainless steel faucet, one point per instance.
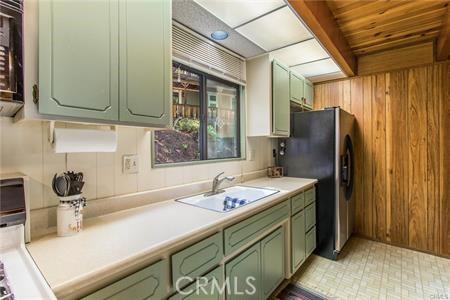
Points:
(216, 184)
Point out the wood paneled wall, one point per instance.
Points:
(402, 146)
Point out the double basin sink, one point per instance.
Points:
(232, 198)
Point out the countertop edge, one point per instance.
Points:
(127, 265)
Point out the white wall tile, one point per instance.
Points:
(52, 164)
(105, 174)
(86, 163)
(21, 151)
(173, 176)
(25, 148)
(126, 144)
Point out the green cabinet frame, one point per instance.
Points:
(280, 99)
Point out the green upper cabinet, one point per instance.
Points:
(280, 99)
(272, 262)
(145, 61)
(78, 58)
(308, 93)
(106, 60)
(296, 88)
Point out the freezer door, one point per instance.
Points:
(344, 163)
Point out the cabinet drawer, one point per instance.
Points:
(243, 232)
(297, 203)
(310, 241)
(149, 283)
(197, 259)
(207, 289)
(310, 196)
(310, 216)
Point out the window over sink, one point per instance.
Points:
(206, 119)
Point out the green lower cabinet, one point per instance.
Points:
(258, 271)
(243, 275)
(208, 287)
(311, 241)
(149, 283)
(272, 262)
(298, 240)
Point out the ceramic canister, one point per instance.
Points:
(69, 221)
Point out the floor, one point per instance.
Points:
(373, 270)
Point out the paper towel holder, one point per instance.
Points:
(51, 131)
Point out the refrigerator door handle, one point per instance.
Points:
(345, 169)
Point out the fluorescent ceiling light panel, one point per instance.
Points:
(317, 68)
(237, 12)
(300, 53)
(277, 29)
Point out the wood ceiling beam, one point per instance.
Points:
(318, 17)
(443, 42)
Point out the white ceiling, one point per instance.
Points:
(315, 68)
(274, 27)
(238, 12)
(278, 29)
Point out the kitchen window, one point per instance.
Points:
(206, 119)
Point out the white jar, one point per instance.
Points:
(69, 222)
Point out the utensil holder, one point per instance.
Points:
(69, 216)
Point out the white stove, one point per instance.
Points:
(19, 276)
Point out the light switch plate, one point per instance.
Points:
(130, 164)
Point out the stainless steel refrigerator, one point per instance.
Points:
(321, 146)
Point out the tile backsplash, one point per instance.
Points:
(25, 148)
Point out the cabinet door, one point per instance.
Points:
(272, 262)
(280, 99)
(309, 93)
(208, 287)
(145, 62)
(296, 88)
(243, 274)
(78, 58)
(149, 283)
(298, 242)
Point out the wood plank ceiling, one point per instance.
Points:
(373, 25)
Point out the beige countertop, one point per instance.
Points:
(113, 245)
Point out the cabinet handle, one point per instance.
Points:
(35, 94)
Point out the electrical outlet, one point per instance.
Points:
(130, 164)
